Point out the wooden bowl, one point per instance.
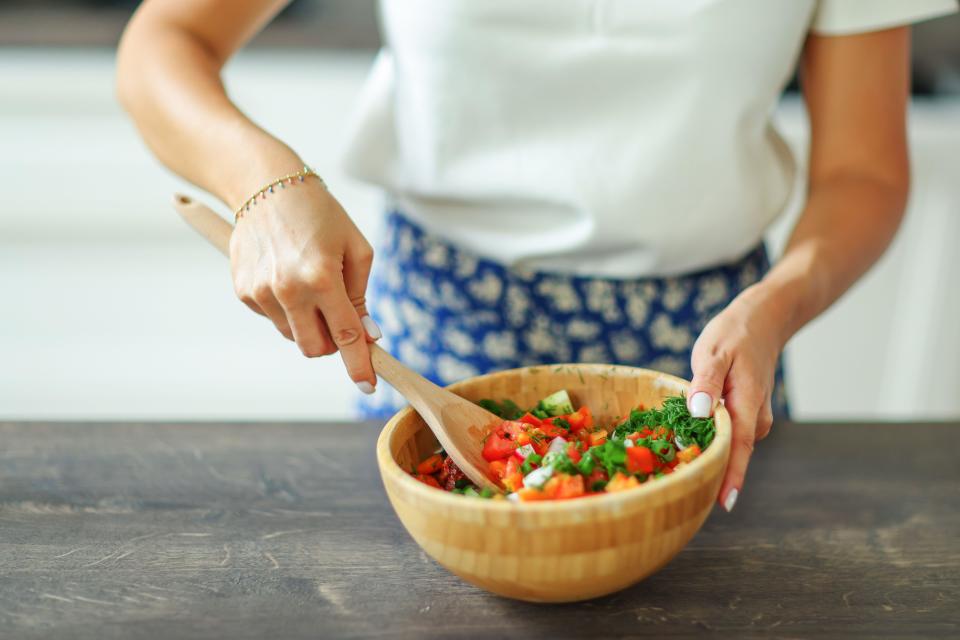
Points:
(559, 551)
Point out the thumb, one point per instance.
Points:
(710, 368)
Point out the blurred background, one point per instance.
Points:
(112, 308)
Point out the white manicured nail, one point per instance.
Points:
(731, 500)
(701, 405)
(366, 387)
(370, 326)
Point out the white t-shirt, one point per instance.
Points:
(618, 138)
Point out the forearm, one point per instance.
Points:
(848, 222)
(169, 82)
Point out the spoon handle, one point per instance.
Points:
(412, 386)
(205, 222)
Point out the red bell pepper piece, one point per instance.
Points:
(431, 465)
(529, 418)
(428, 480)
(497, 470)
(640, 460)
(551, 430)
(569, 487)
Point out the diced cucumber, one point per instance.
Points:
(538, 477)
(557, 404)
(557, 445)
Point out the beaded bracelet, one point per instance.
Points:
(261, 193)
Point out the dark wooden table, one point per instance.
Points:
(284, 531)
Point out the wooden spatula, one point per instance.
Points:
(458, 424)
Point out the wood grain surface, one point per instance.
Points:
(284, 531)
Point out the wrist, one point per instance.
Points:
(779, 304)
(266, 159)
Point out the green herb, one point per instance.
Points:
(506, 409)
(528, 463)
(599, 485)
(462, 483)
(539, 413)
(663, 448)
(470, 491)
(488, 492)
(673, 415)
(612, 455)
(560, 422)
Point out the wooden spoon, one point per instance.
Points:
(458, 424)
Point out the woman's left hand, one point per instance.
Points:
(735, 359)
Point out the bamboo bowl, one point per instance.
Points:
(560, 551)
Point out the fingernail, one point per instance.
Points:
(370, 326)
(701, 404)
(731, 500)
(366, 387)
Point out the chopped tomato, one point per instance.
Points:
(569, 486)
(540, 443)
(598, 437)
(662, 433)
(580, 419)
(513, 466)
(689, 454)
(513, 428)
(531, 495)
(640, 460)
(428, 480)
(513, 481)
(431, 465)
(497, 446)
(552, 486)
(573, 453)
(583, 436)
(497, 470)
(551, 430)
(620, 482)
(529, 418)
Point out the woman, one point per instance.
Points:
(581, 180)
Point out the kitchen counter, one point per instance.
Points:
(259, 530)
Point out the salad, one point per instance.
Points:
(554, 452)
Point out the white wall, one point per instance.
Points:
(111, 308)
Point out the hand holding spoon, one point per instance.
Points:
(458, 424)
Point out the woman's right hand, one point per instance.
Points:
(298, 259)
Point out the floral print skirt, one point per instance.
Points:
(449, 314)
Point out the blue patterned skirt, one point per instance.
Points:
(449, 314)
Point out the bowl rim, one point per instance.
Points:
(388, 465)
